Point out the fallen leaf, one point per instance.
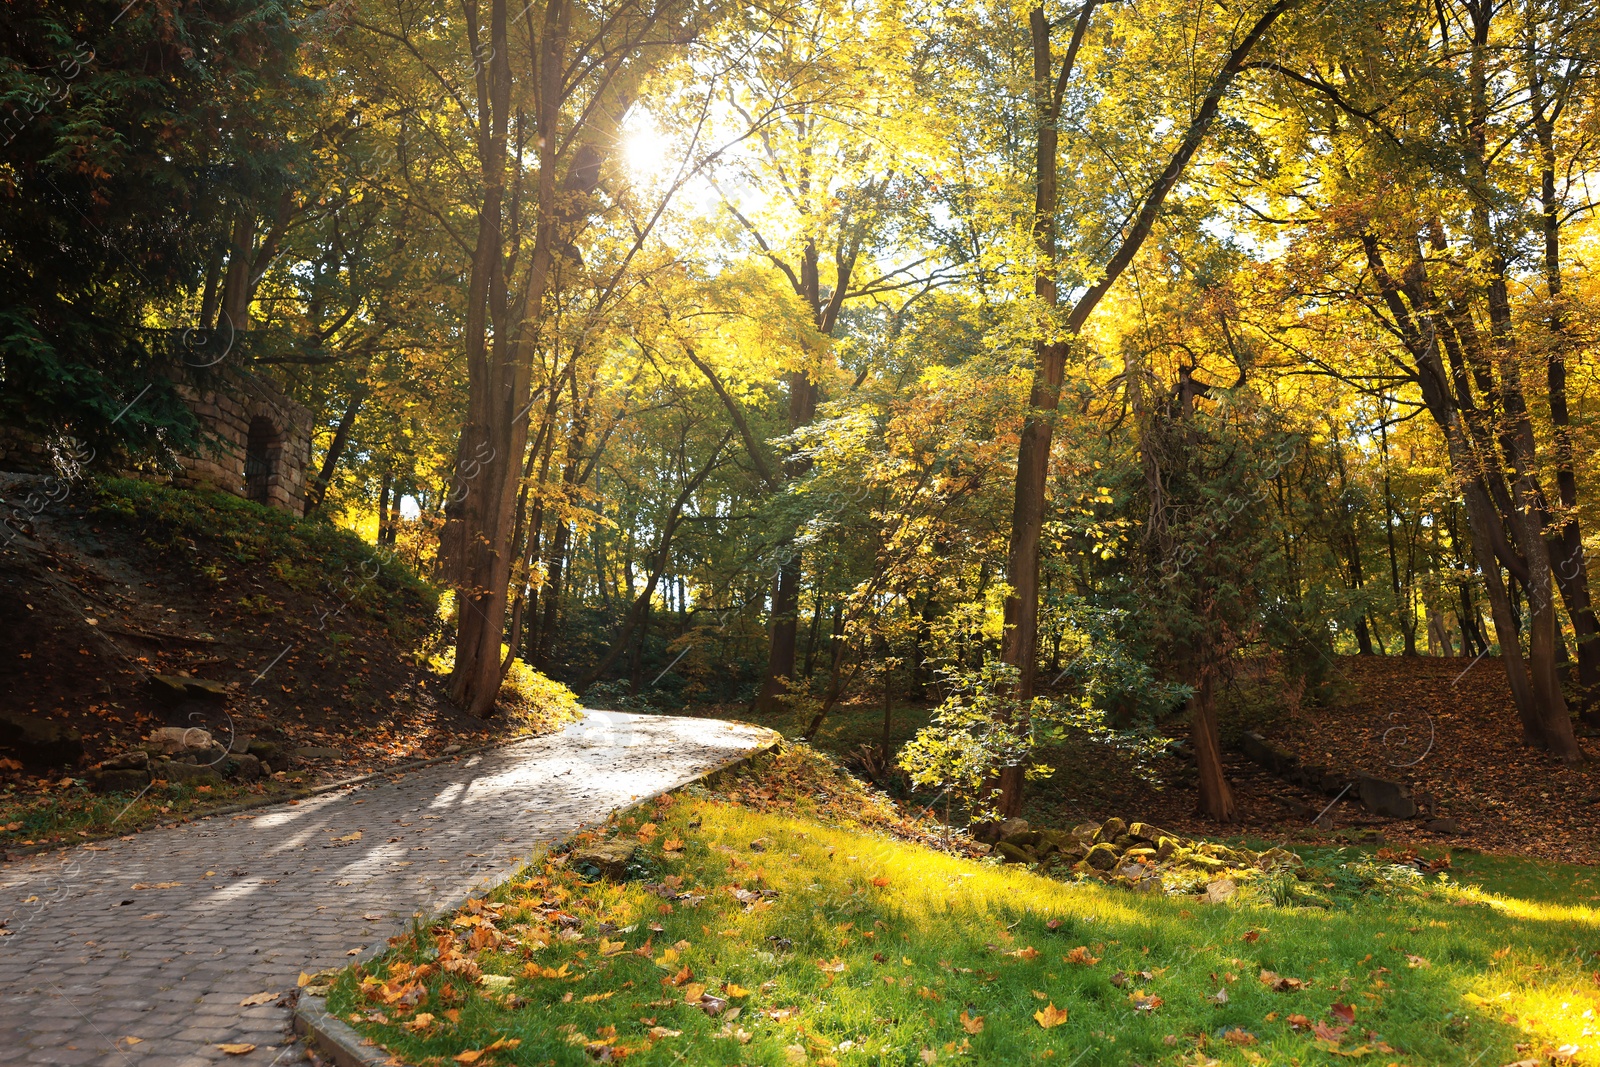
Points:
(1235, 1035)
(257, 998)
(972, 1024)
(1298, 1022)
(1220, 997)
(1028, 953)
(239, 1049)
(734, 989)
(1343, 1011)
(659, 1032)
(1277, 982)
(1251, 935)
(1416, 961)
(1144, 1002)
(672, 844)
(1081, 955)
(1049, 1016)
(836, 966)
(880, 881)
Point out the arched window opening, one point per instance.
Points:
(263, 450)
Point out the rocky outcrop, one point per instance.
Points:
(38, 742)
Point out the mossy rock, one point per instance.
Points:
(1011, 853)
(1110, 830)
(1165, 847)
(1140, 852)
(1102, 857)
(1147, 832)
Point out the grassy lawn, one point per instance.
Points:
(65, 811)
(831, 942)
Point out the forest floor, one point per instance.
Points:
(1444, 726)
(309, 633)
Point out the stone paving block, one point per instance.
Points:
(172, 966)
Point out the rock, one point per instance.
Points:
(1102, 857)
(1442, 826)
(178, 738)
(1274, 758)
(1012, 827)
(1165, 847)
(265, 751)
(317, 752)
(172, 771)
(127, 761)
(1127, 841)
(1110, 830)
(1383, 797)
(182, 687)
(1140, 852)
(213, 755)
(242, 766)
(1147, 833)
(240, 743)
(1085, 832)
(39, 742)
(1278, 857)
(1011, 853)
(609, 858)
(1220, 890)
(118, 779)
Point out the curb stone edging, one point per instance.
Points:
(345, 1047)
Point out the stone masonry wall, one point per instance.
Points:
(227, 404)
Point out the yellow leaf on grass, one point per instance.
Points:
(659, 1032)
(1049, 1016)
(693, 992)
(240, 1049)
(671, 844)
(668, 957)
(611, 948)
(836, 966)
(595, 998)
(972, 1024)
(1029, 953)
(734, 989)
(1081, 955)
(476, 1054)
(647, 831)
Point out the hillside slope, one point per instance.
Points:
(294, 634)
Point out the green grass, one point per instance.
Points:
(310, 556)
(62, 814)
(886, 944)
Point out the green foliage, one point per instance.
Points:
(979, 726)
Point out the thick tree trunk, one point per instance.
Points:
(1216, 797)
(1033, 452)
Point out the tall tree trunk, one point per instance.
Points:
(1033, 450)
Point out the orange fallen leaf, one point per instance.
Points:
(1081, 955)
(1028, 953)
(880, 881)
(258, 998)
(972, 1024)
(1049, 1016)
(238, 1049)
(671, 844)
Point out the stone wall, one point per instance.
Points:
(256, 441)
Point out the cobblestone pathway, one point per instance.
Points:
(140, 951)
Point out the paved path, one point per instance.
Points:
(160, 937)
